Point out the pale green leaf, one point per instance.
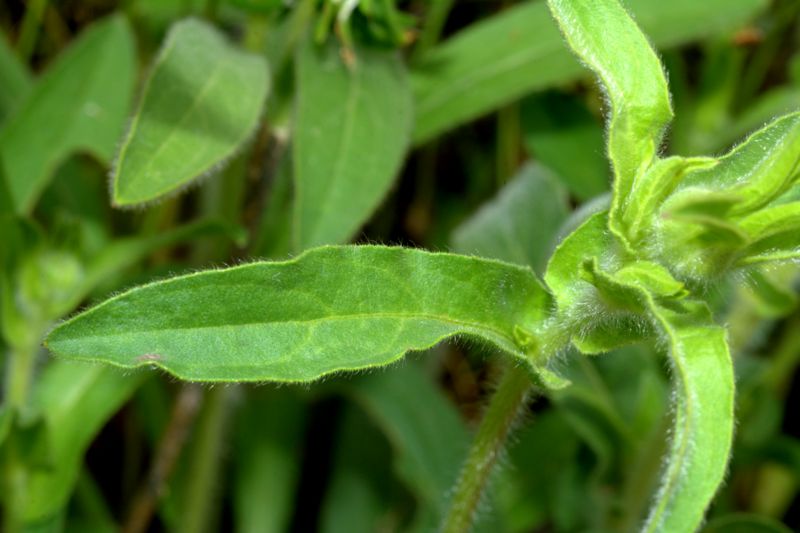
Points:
(556, 127)
(201, 102)
(15, 80)
(703, 419)
(352, 128)
(605, 37)
(76, 400)
(330, 309)
(520, 224)
(79, 104)
(519, 51)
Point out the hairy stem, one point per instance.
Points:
(504, 406)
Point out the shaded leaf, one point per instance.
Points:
(352, 128)
(519, 225)
(79, 104)
(15, 80)
(519, 51)
(202, 100)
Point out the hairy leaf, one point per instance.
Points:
(703, 425)
(330, 309)
(352, 128)
(604, 36)
(757, 171)
(79, 104)
(520, 224)
(202, 100)
(518, 51)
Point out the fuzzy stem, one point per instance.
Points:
(504, 406)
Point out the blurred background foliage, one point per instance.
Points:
(506, 145)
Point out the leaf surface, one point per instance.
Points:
(330, 309)
(520, 224)
(202, 100)
(352, 128)
(703, 418)
(79, 104)
(519, 51)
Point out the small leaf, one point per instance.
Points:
(604, 36)
(201, 102)
(520, 224)
(352, 129)
(79, 104)
(591, 317)
(759, 170)
(703, 426)
(330, 309)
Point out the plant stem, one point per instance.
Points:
(504, 406)
(433, 26)
(199, 510)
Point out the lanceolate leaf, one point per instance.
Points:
(352, 128)
(633, 79)
(331, 309)
(703, 427)
(80, 104)
(520, 224)
(519, 51)
(202, 100)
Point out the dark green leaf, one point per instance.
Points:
(80, 104)
(15, 80)
(352, 127)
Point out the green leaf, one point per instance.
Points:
(759, 170)
(557, 126)
(352, 128)
(520, 224)
(330, 309)
(519, 51)
(76, 400)
(79, 104)
(703, 412)
(605, 37)
(269, 443)
(430, 444)
(745, 523)
(196, 111)
(15, 80)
